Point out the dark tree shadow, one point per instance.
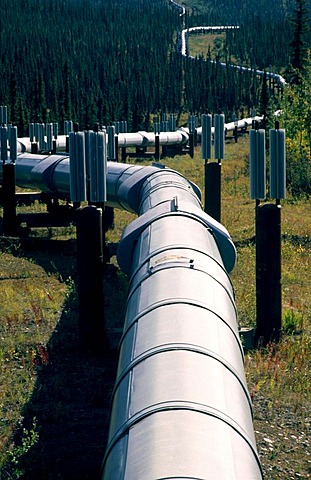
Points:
(71, 398)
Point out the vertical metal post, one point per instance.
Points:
(219, 136)
(123, 154)
(157, 146)
(257, 165)
(235, 134)
(9, 203)
(111, 142)
(8, 186)
(192, 124)
(268, 274)
(55, 135)
(116, 142)
(212, 204)
(191, 144)
(90, 264)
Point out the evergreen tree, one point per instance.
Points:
(13, 98)
(264, 100)
(22, 120)
(298, 45)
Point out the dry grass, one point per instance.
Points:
(200, 44)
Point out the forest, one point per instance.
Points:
(102, 60)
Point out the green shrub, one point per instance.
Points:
(298, 172)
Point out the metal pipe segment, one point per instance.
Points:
(138, 139)
(228, 127)
(24, 143)
(142, 138)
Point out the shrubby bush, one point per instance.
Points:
(298, 172)
(296, 119)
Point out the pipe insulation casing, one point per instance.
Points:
(180, 406)
(206, 139)
(257, 164)
(277, 164)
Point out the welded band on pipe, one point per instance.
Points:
(178, 247)
(131, 182)
(170, 184)
(171, 347)
(181, 264)
(166, 209)
(185, 302)
(179, 405)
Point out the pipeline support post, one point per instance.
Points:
(9, 201)
(268, 232)
(212, 200)
(191, 144)
(268, 274)
(212, 171)
(8, 181)
(90, 267)
(157, 146)
(116, 147)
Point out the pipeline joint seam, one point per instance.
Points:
(169, 347)
(169, 302)
(159, 268)
(180, 405)
(47, 173)
(119, 185)
(179, 246)
(189, 264)
(129, 189)
(196, 190)
(168, 184)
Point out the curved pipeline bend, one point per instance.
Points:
(202, 29)
(51, 174)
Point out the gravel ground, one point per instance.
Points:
(283, 439)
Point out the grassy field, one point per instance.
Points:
(54, 400)
(200, 44)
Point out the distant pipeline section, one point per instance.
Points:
(143, 139)
(183, 43)
(135, 139)
(195, 30)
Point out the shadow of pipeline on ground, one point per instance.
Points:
(71, 398)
